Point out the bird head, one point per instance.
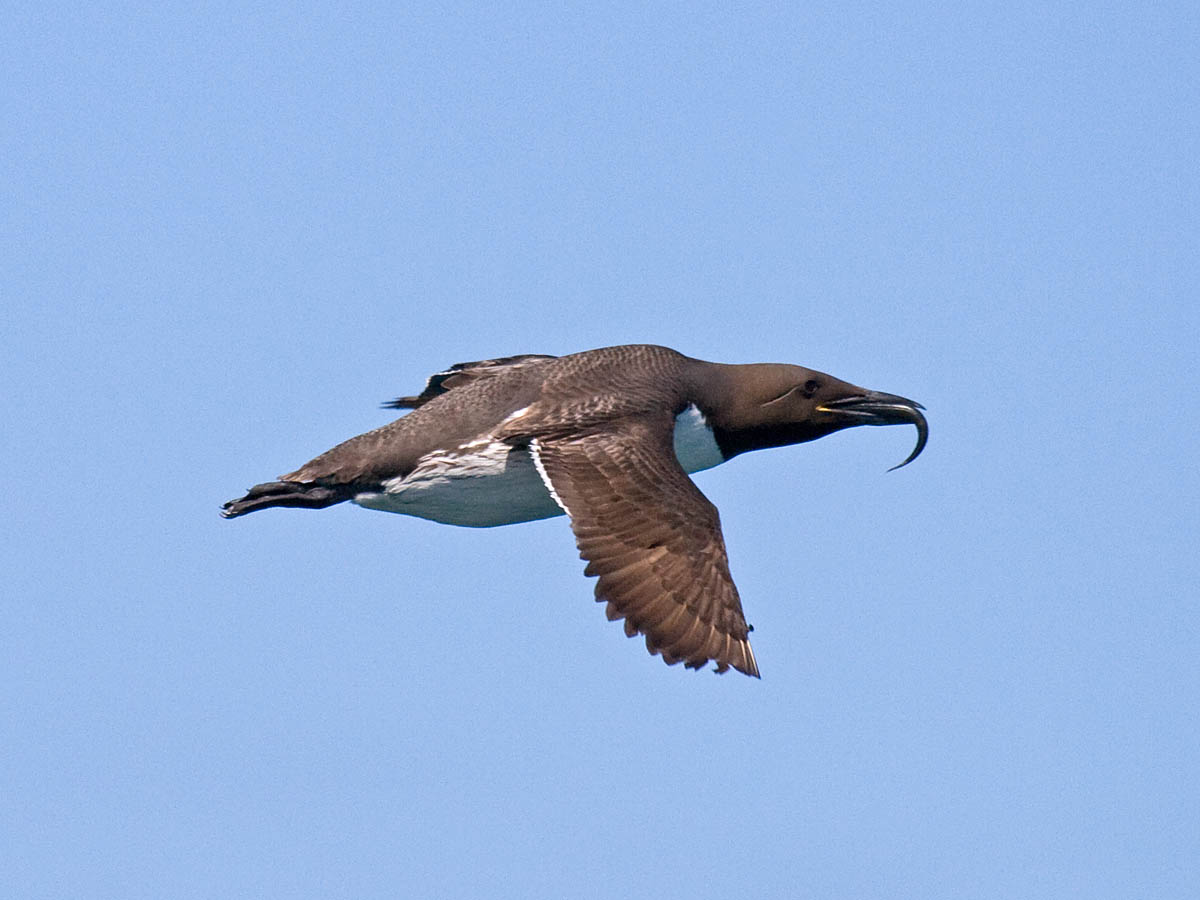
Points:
(791, 404)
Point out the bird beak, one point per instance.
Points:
(876, 408)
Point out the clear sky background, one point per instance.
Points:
(229, 234)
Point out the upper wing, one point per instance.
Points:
(653, 538)
(461, 373)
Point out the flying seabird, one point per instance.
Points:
(607, 437)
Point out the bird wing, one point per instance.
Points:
(653, 539)
(463, 373)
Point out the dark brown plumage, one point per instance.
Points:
(607, 436)
(654, 541)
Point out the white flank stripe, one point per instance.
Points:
(535, 450)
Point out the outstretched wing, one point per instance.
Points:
(461, 373)
(653, 539)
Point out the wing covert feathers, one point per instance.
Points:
(653, 539)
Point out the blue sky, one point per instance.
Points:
(229, 234)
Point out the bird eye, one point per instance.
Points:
(810, 388)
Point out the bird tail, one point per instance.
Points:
(287, 493)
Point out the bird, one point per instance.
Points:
(607, 437)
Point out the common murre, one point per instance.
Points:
(608, 437)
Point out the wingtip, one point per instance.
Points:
(751, 664)
(738, 655)
(401, 403)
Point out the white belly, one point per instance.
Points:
(489, 483)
